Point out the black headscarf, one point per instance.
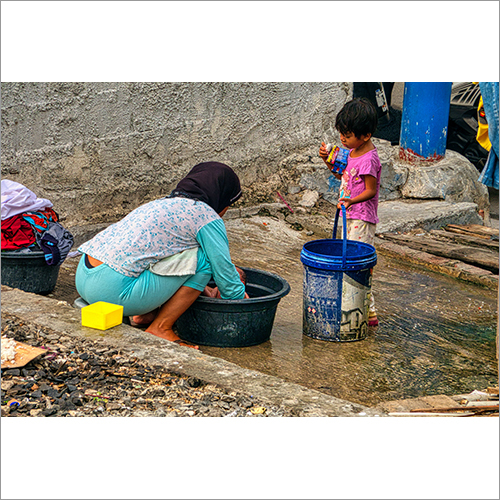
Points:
(212, 182)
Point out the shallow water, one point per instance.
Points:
(436, 334)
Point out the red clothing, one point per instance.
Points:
(16, 233)
(39, 221)
(20, 230)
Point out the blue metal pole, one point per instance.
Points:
(424, 124)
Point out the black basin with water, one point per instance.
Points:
(235, 323)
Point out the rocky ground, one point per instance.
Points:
(82, 378)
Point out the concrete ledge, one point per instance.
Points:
(60, 317)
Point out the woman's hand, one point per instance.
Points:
(215, 294)
(211, 292)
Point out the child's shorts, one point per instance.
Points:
(137, 295)
(360, 230)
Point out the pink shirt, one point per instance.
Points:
(353, 184)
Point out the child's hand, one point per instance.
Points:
(346, 202)
(323, 152)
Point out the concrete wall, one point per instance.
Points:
(98, 150)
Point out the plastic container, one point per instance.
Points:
(235, 323)
(28, 272)
(337, 287)
(337, 157)
(102, 315)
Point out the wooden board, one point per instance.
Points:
(24, 354)
(464, 239)
(475, 229)
(484, 258)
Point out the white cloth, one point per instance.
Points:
(180, 264)
(17, 199)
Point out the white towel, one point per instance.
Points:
(179, 264)
(17, 199)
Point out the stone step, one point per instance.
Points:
(403, 216)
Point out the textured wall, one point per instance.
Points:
(98, 150)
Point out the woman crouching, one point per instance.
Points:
(158, 259)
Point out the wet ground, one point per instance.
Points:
(436, 334)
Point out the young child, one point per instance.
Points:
(359, 189)
(214, 292)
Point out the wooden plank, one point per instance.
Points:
(461, 231)
(474, 228)
(482, 404)
(477, 228)
(483, 229)
(425, 414)
(457, 408)
(466, 239)
(484, 258)
(489, 394)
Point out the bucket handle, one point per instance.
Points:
(334, 235)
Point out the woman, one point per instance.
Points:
(159, 258)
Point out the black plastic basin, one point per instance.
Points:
(235, 323)
(28, 272)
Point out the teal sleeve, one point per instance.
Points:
(213, 239)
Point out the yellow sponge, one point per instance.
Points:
(102, 315)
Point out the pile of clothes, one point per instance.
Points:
(30, 224)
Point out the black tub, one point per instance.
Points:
(235, 323)
(28, 272)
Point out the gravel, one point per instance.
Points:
(82, 378)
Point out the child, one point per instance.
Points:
(214, 292)
(359, 189)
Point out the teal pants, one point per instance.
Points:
(137, 295)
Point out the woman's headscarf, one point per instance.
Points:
(213, 183)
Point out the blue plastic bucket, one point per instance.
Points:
(337, 287)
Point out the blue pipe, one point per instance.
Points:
(424, 124)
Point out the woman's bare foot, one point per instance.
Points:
(170, 312)
(143, 319)
(168, 334)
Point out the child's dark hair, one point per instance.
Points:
(358, 117)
